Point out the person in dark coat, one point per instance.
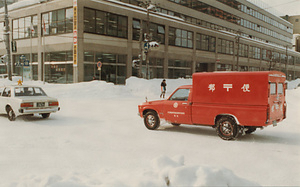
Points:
(163, 87)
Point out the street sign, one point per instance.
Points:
(26, 63)
(99, 65)
(19, 64)
(146, 46)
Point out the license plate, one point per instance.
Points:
(40, 104)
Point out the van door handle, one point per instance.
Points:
(184, 103)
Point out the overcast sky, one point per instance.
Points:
(286, 7)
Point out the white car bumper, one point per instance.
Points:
(39, 110)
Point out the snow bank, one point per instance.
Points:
(151, 88)
(175, 173)
(164, 171)
(293, 84)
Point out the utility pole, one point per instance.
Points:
(286, 61)
(147, 39)
(7, 41)
(237, 38)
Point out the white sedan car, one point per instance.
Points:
(26, 100)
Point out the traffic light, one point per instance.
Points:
(3, 59)
(14, 46)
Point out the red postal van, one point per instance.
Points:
(231, 102)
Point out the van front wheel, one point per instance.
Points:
(227, 129)
(151, 120)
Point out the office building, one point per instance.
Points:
(82, 40)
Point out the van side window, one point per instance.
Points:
(272, 88)
(181, 95)
(280, 88)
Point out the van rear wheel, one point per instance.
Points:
(227, 129)
(151, 120)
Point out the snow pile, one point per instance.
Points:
(293, 84)
(151, 88)
(164, 171)
(175, 173)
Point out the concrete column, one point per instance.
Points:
(40, 48)
(166, 56)
(129, 49)
(78, 72)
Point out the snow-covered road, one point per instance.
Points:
(97, 139)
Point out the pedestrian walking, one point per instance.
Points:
(163, 87)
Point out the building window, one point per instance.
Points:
(181, 38)
(19, 69)
(251, 68)
(205, 42)
(254, 52)
(57, 22)
(158, 33)
(136, 27)
(22, 27)
(179, 69)
(105, 23)
(155, 68)
(59, 67)
(113, 67)
(283, 58)
(225, 46)
(224, 67)
(243, 50)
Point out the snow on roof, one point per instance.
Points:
(20, 4)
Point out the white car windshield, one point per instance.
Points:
(29, 91)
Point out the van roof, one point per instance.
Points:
(270, 73)
(185, 87)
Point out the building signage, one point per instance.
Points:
(75, 33)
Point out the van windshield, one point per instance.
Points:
(181, 95)
(29, 91)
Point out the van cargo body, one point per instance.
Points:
(231, 102)
(244, 95)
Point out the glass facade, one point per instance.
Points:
(22, 27)
(105, 23)
(18, 60)
(180, 37)
(57, 22)
(179, 69)
(254, 52)
(113, 67)
(243, 50)
(188, 33)
(225, 46)
(205, 42)
(59, 67)
(216, 12)
(224, 67)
